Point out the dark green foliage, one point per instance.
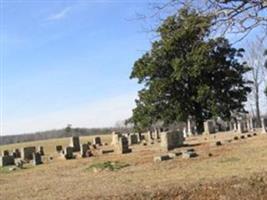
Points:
(186, 74)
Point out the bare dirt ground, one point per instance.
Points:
(235, 170)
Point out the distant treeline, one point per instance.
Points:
(60, 133)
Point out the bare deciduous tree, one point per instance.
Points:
(255, 59)
(230, 16)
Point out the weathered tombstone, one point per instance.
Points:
(161, 158)
(16, 153)
(59, 148)
(170, 140)
(84, 149)
(209, 127)
(75, 143)
(37, 158)
(241, 127)
(133, 139)
(123, 146)
(106, 151)
(41, 150)
(264, 125)
(189, 154)
(5, 153)
(26, 153)
(97, 141)
(115, 138)
(68, 153)
(6, 160)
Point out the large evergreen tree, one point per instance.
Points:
(186, 74)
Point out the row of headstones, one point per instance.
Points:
(168, 139)
(75, 146)
(26, 154)
(240, 126)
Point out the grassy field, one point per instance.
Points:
(219, 172)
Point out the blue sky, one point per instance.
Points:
(69, 62)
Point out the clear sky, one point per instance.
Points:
(68, 62)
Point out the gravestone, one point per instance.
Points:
(84, 149)
(97, 141)
(59, 148)
(16, 153)
(123, 146)
(171, 139)
(37, 158)
(264, 125)
(75, 143)
(41, 150)
(6, 160)
(209, 127)
(26, 153)
(115, 138)
(68, 153)
(5, 153)
(133, 139)
(241, 127)
(161, 158)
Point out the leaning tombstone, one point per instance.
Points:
(171, 139)
(37, 158)
(75, 143)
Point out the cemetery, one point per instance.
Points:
(160, 150)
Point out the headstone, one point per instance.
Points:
(6, 160)
(171, 140)
(17, 153)
(123, 146)
(209, 127)
(26, 153)
(59, 148)
(106, 151)
(241, 127)
(5, 153)
(68, 153)
(161, 158)
(264, 125)
(41, 150)
(97, 141)
(115, 138)
(37, 158)
(75, 143)
(133, 139)
(84, 149)
(189, 154)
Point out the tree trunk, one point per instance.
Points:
(257, 104)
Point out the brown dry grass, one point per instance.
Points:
(143, 179)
